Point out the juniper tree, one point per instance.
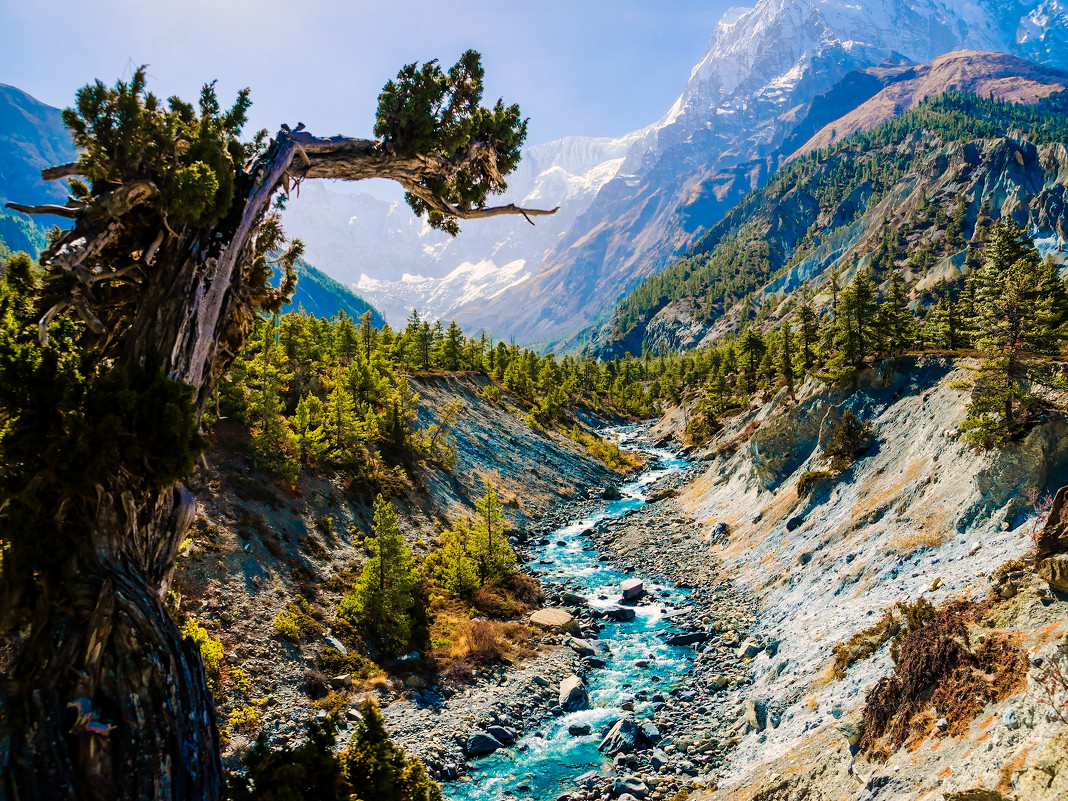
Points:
(807, 325)
(150, 294)
(786, 366)
(752, 351)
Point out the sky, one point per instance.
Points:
(577, 67)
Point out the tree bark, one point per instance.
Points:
(104, 700)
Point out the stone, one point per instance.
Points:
(409, 659)
(794, 523)
(611, 493)
(1054, 570)
(505, 734)
(650, 731)
(632, 589)
(481, 743)
(620, 614)
(687, 638)
(630, 784)
(578, 729)
(339, 682)
(623, 738)
(718, 682)
(749, 649)
(336, 644)
(414, 682)
(851, 732)
(573, 695)
(755, 715)
(587, 779)
(574, 599)
(541, 681)
(659, 759)
(942, 724)
(1008, 717)
(553, 620)
(581, 647)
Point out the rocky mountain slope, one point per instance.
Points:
(836, 207)
(920, 515)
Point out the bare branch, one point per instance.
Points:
(60, 171)
(68, 211)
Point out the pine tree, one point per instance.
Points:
(459, 571)
(1020, 310)
(307, 423)
(807, 329)
(896, 323)
(489, 544)
(343, 428)
(786, 357)
(752, 350)
(382, 601)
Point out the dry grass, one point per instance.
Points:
(907, 542)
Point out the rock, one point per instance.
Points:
(718, 682)
(336, 644)
(632, 589)
(851, 732)
(755, 715)
(1008, 717)
(553, 620)
(573, 694)
(595, 662)
(630, 784)
(771, 648)
(619, 613)
(935, 584)
(1007, 590)
(1054, 569)
(942, 724)
(650, 731)
(623, 738)
(687, 638)
(976, 547)
(658, 759)
(1054, 535)
(503, 733)
(414, 682)
(541, 681)
(338, 682)
(661, 494)
(794, 523)
(409, 659)
(749, 649)
(611, 493)
(574, 599)
(581, 647)
(587, 779)
(578, 729)
(481, 743)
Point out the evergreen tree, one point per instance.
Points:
(377, 770)
(787, 357)
(382, 601)
(896, 323)
(343, 428)
(1019, 311)
(307, 425)
(489, 543)
(807, 330)
(459, 572)
(752, 350)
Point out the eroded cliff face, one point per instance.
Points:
(919, 515)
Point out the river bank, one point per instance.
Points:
(674, 665)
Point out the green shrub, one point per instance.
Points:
(296, 623)
(809, 480)
(334, 663)
(850, 439)
(211, 649)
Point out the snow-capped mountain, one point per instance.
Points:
(379, 247)
(629, 205)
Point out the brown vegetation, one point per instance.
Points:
(937, 668)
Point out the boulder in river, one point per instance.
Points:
(623, 738)
(504, 734)
(687, 638)
(578, 729)
(481, 743)
(573, 694)
(574, 599)
(632, 589)
(581, 647)
(619, 613)
(611, 493)
(554, 620)
(630, 784)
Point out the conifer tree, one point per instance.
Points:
(752, 350)
(459, 570)
(382, 601)
(343, 428)
(489, 543)
(807, 331)
(786, 366)
(308, 426)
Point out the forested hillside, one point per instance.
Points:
(909, 196)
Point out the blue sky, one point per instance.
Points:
(579, 67)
